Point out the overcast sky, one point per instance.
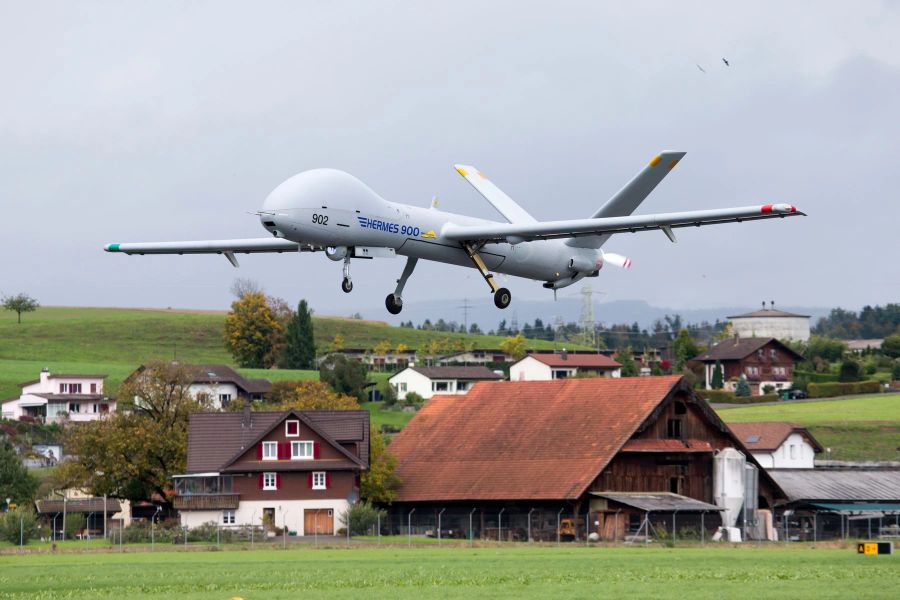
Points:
(149, 121)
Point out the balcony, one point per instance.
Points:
(207, 502)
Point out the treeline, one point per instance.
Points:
(870, 322)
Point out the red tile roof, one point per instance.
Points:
(534, 440)
(555, 359)
(769, 435)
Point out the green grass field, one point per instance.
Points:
(423, 573)
(859, 428)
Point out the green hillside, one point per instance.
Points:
(859, 428)
(115, 341)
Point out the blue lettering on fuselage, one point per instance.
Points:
(387, 226)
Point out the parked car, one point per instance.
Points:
(793, 395)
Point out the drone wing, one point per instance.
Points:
(515, 233)
(505, 205)
(227, 247)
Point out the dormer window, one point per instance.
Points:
(292, 428)
(270, 450)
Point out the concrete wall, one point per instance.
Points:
(782, 328)
(287, 512)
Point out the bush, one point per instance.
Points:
(18, 522)
(722, 396)
(139, 532)
(413, 399)
(362, 516)
(850, 371)
(742, 388)
(388, 395)
(747, 399)
(207, 533)
(75, 522)
(829, 390)
(895, 371)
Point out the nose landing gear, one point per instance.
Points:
(347, 283)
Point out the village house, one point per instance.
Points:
(388, 360)
(220, 385)
(779, 445)
(293, 469)
(545, 366)
(761, 361)
(428, 381)
(56, 397)
(538, 459)
(476, 356)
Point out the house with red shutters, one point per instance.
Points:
(293, 469)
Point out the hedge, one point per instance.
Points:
(813, 377)
(725, 397)
(829, 390)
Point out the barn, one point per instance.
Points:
(542, 459)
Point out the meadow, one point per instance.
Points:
(459, 572)
(858, 428)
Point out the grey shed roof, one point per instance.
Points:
(658, 502)
(857, 485)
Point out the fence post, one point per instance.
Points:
(703, 528)
(184, 527)
(558, 515)
(439, 525)
(529, 525)
(22, 531)
(500, 525)
(378, 525)
(152, 533)
(471, 531)
(409, 527)
(121, 528)
(675, 512)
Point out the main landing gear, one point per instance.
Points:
(502, 296)
(394, 302)
(347, 283)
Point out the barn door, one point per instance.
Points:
(319, 522)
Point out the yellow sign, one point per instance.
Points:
(870, 548)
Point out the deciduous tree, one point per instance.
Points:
(684, 348)
(252, 331)
(514, 346)
(20, 303)
(380, 482)
(308, 395)
(344, 375)
(626, 359)
(16, 482)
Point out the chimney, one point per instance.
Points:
(45, 375)
(564, 354)
(772, 302)
(764, 304)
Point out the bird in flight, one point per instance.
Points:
(701, 69)
(727, 64)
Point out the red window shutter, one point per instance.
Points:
(259, 481)
(277, 481)
(315, 449)
(309, 480)
(259, 451)
(284, 451)
(327, 480)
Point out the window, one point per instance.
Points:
(462, 386)
(793, 450)
(74, 407)
(773, 353)
(560, 374)
(301, 450)
(227, 517)
(224, 400)
(93, 388)
(270, 481)
(292, 428)
(675, 485)
(751, 371)
(319, 480)
(270, 451)
(673, 428)
(95, 407)
(401, 387)
(70, 388)
(440, 386)
(680, 408)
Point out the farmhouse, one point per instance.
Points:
(380, 360)
(220, 384)
(531, 460)
(761, 361)
(476, 356)
(428, 381)
(779, 445)
(294, 469)
(544, 366)
(771, 323)
(57, 397)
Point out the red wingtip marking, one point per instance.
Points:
(766, 209)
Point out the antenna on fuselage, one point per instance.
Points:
(434, 202)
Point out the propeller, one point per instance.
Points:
(616, 260)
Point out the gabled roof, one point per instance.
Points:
(842, 484)
(740, 348)
(93, 504)
(216, 440)
(535, 440)
(215, 373)
(767, 436)
(478, 373)
(558, 359)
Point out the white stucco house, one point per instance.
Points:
(778, 445)
(544, 366)
(220, 384)
(54, 398)
(771, 323)
(428, 381)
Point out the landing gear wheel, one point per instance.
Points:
(394, 304)
(347, 285)
(502, 298)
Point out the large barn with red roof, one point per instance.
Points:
(514, 457)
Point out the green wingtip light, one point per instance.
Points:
(112, 247)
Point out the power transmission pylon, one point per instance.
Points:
(586, 322)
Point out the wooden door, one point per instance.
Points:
(319, 521)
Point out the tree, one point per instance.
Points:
(299, 343)
(337, 342)
(684, 348)
(20, 303)
(133, 453)
(308, 395)
(344, 375)
(891, 346)
(18, 525)
(826, 348)
(361, 517)
(16, 482)
(895, 371)
(717, 378)
(742, 388)
(850, 371)
(252, 331)
(514, 346)
(380, 482)
(626, 359)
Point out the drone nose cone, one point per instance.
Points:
(320, 188)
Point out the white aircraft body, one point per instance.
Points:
(332, 211)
